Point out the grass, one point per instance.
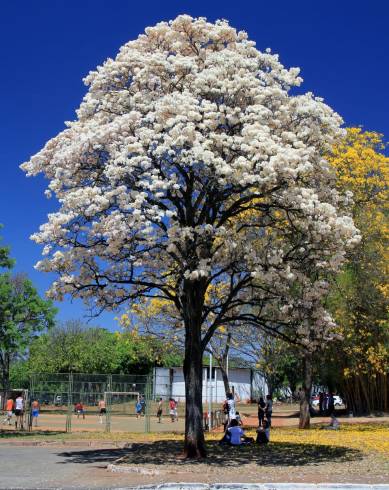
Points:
(366, 438)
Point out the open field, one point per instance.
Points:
(283, 416)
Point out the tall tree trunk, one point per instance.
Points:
(225, 378)
(305, 402)
(193, 300)
(4, 367)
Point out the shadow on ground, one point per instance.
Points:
(8, 434)
(167, 452)
(93, 456)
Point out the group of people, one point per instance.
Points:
(326, 403)
(173, 410)
(233, 432)
(16, 406)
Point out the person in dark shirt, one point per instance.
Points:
(261, 411)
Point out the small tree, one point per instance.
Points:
(23, 314)
(186, 148)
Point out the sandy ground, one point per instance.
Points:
(129, 423)
(75, 467)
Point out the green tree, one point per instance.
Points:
(23, 314)
(76, 347)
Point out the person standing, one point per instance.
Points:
(261, 411)
(321, 402)
(9, 407)
(142, 402)
(35, 407)
(231, 407)
(269, 408)
(159, 410)
(138, 408)
(173, 409)
(330, 404)
(102, 410)
(80, 410)
(19, 411)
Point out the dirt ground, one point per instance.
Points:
(283, 417)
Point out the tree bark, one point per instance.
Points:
(305, 401)
(193, 299)
(4, 367)
(225, 379)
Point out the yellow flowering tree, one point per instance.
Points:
(360, 300)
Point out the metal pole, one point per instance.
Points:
(216, 400)
(210, 390)
(108, 404)
(70, 404)
(148, 391)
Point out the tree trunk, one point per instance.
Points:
(4, 367)
(193, 300)
(305, 402)
(225, 379)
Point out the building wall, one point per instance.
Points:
(170, 383)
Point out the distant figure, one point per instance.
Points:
(159, 410)
(173, 409)
(138, 408)
(19, 412)
(325, 402)
(9, 407)
(321, 402)
(143, 405)
(263, 433)
(261, 411)
(35, 407)
(79, 407)
(269, 408)
(102, 410)
(330, 404)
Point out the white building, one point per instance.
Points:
(244, 382)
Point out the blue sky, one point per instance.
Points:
(48, 46)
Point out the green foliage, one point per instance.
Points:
(74, 347)
(23, 314)
(5, 261)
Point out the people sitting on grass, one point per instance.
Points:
(235, 436)
(263, 433)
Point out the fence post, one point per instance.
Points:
(28, 403)
(108, 403)
(70, 404)
(148, 399)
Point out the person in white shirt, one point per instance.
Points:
(231, 407)
(19, 411)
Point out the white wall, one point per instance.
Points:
(240, 379)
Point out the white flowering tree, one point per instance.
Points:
(187, 147)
